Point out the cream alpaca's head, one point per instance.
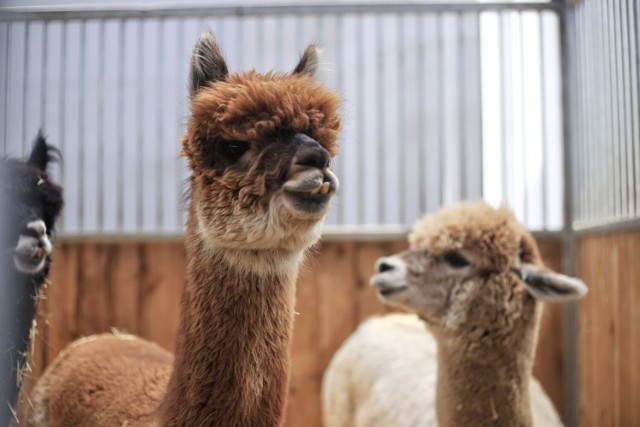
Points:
(260, 149)
(471, 271)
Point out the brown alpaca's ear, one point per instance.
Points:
(207, 63)
(310, 61)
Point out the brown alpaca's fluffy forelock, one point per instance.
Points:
(253, 107)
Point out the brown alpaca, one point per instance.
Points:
(259, 148)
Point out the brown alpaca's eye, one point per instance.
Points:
(233, 150)
(455, 260)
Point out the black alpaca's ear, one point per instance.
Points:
(309, 62)
(41, 153)
(207, 63)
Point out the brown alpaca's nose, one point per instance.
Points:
(310, 153)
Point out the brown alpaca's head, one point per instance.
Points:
(260, 149)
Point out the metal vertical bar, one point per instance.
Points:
(523, 118)
(81, 127)
(360, 117)
(6, 90)
(583, 126)
(634, 52)
(607, 133)
(462, 91)
(339, 83)
(621, 171)
(180, 170)
(600, 157)
(120, 143)
(636, 15)
(43, 80)
(260, 54)
(628, 118)
(570, 312)
(25, 72)
(239, 38)
(100, 125)
(402, 63)
(441, 118)
(613, 96)
(140, 128)
(379, 107)
(160, 177)
(422, 118)
(280, 41)
(62, 104)
(503, 96)
(543, 122)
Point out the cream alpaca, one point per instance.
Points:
(259, 149)
(475, 279)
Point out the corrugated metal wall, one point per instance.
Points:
(443, 102)
(604, 83)
(602, 39)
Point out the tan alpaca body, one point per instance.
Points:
(259, 149)
(80, 386)
(475, 278)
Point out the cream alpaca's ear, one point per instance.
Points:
(310, 61)
(549, 286)
(207, 64)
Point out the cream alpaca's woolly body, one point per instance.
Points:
(387, 389)
(475, 278)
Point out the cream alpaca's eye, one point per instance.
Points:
(233, 150)
(455, 260)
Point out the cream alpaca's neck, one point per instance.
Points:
(486, 388)
(232, 354)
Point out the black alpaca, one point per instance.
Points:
(29, 206)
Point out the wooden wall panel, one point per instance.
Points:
(609, 330)
(548, 367)
(136, 287)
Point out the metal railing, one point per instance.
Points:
(442, 104)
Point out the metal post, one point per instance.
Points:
(569, 248)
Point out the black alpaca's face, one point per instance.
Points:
(30, 207)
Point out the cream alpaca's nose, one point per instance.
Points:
(387, 265)
(310, 153)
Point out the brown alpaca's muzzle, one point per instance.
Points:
(311, 182)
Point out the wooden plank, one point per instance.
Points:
(125, 264)
(628, 336)
(630, 272)
(608, 334)
(62, 294)
(94, 279)
(336, 280)
(548, 366)
(163, 271)
(306, 371)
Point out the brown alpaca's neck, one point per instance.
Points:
(232, 354)
(487, 388)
